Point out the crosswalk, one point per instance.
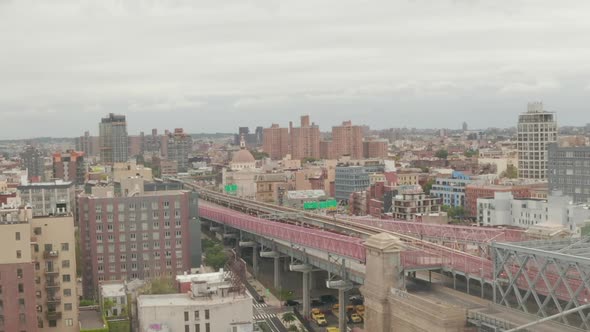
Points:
(260, 305)
(260, 317)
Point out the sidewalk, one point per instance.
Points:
(269, 298)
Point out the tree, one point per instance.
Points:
(215, 257)
(285, 294)
(511, 172)
(442, 154)
(293, 328)
(162, 286)
(258, 155)
(289, 318)
(107, 306)
(471, 153)
(428, 186)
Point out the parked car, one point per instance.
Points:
(291, 303)
(355, 318)
(356, 300)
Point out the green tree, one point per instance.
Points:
(107, 306)
(428, 186)
(162, 286)
(511, 172)
(215, 257)
(293, 328)
(258, 155)
(442, 154)
(285, 294)
(289, 318)
(471, 153)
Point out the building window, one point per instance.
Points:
(65, 264)
(187, 328)
(207, 327)
(66, 278)
(197, 327)
(207, 314)
(67, 307)
(19, 254)
(21, 288)
(17, 236)
(197, 315)
(67, 292)
(65, 247)
(37, 231)
(69, 322)
(186, 316)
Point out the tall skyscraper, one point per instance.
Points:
(179, 147)
(113, 139)
(536, 129)
(33, 161)
(88, 144)
(305, 140)
(276, 141)
(348, 140)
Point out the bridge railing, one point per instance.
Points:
(326, 241)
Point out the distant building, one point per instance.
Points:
(70, 166)
(504, 210)
(33, 161)
(113, 139)
(305, 140)
(88, 144)
(350, 179)
(451, 190)
(271, 188)
(568, 170)
(154, 234)
(326, 150)
(411, 202)
(348, 140)
(253, 140)
(536, 129)
(276, 142)
(210, 304)
(49, 198)
(296, 198)
(179, 147)
(375, 148)
(475, 191)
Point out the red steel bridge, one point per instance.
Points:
(548, 282)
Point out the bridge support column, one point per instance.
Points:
(454, 281)
(384, 272)
(467, 279)
(306, 271)
(343, 286)
(277, 274)
(254, 245)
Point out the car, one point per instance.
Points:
(328, 299)
(291, 303)
(356, 300)
(355, 318)
(332, 329)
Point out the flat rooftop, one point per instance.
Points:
(90, 319)
(184, 300)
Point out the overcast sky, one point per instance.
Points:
(215, 65)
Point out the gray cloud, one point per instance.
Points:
(215, 65)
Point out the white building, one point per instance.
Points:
(505, 210)
(536, 129)
(207, 307)
(114, 293)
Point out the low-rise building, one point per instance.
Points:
(411, 202)
(451, 190)
(209, 306)
(49, 198)
(297, 198)
(503, 209)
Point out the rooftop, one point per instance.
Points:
(207, 277)
(113, 290)
(90, 319)
(185, 300)
(302, 194)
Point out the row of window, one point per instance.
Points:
(133, 236)
(134, 266)
(133, 246)
(132, 206)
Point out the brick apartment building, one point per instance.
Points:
(276, 141)
(348, 140)
(70, 166)
(149, 235)
(305, 140)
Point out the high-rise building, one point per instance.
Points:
(305, 140)
(33, 161)
(464, 126)
(536, 129)
(348, 140)
(18, 271)
(88, 144)
(38, 268)
(69, 166)
(568, 170)
(276, 141)
(375, 148)
(144, 236)
(113, 139)
(350, 179)
(179, 147)
(136, 145)
(326, 150)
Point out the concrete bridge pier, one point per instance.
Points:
(342, 286)
(254, 246)
(277, 266)
(383, 273)
(305, 269)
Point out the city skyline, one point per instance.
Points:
(408, 64)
